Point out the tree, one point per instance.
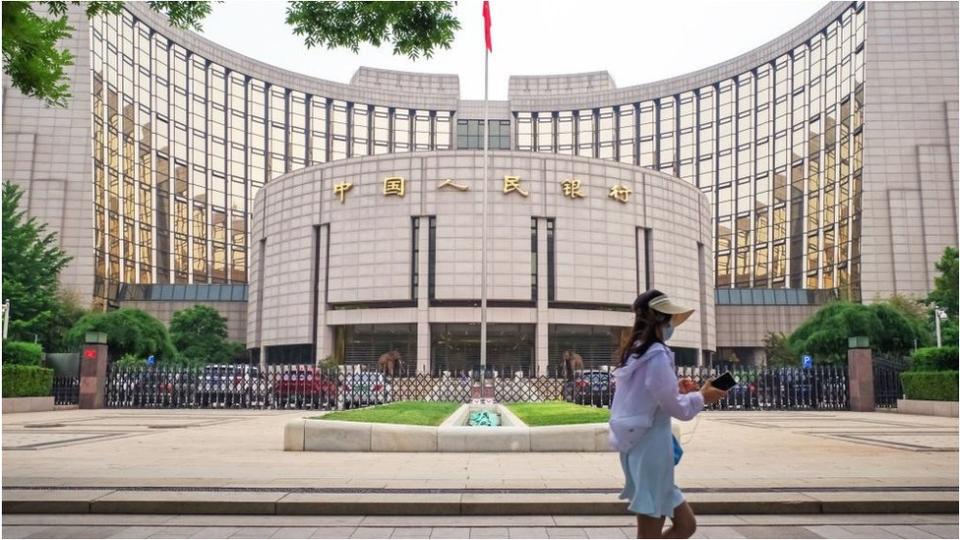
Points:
(32, 261)
(778, 350)
(946, 291)
(129, 331)
(825, 333)
(946, 295)
(413, 28)
(36, 62)
(200, 334)
(916, 314)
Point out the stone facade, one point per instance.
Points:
(902, 209)
(46, 151)
(910, 145)
(326, 255)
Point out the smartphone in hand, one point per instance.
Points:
(724, 382)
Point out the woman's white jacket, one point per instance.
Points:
(645, 385)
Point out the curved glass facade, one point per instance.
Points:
(182, 145)
(778, 150)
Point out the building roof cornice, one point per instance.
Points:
(371, 86)
(549, 92)
(526, 92)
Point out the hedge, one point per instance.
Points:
(936, 359)
(27, 381)
(22, 352)
(930, 385)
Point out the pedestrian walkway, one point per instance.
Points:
(728, 526)
(215, 449)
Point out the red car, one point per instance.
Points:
(304, 386)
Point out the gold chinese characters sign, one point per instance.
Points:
(341, 189)
(511, 184)
(452, 184)
(394, 185)
(620, 193)
(571, 188)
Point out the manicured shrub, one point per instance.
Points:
(930, 385)
(22, 353)
(27, 381)
(129, 331)
(936, 359)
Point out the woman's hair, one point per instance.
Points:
(644, 333)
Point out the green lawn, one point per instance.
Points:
(556, 413)
(417, 413)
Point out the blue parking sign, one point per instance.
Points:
(807, 361)
(151, 360)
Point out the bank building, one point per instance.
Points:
(345, 219)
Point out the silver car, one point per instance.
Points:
(365, 388)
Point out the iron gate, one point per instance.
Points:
(311, 387)
(887, 388)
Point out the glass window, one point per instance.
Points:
(381, 130)
(318, 130)
(627, 134)
(524, 131)
(401, 131)
(361, 130)
(545, 132)
(443, 137)
(338, 126)
(586, 133)
(422, 131)
(565, 132)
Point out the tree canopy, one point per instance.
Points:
(200, 334)
(32, 261)
(35, 60)
(129, 331)
(946, 294)
(825, 333)
(414, 28)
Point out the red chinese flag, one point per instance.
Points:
(487, 24)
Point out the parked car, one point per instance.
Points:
(366, 388)
(229, 385)
(302, 386)
(590, 388)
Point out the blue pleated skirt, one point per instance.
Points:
(648, 470)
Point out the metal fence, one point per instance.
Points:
(66, 390)
(887, 388)
(310, 387)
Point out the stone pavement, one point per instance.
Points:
(727, 526)
(871, 462)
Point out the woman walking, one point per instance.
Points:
(648, 395)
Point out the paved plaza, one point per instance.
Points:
(754, 451)
(837, 474)
(727, 526)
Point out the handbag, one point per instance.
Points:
(677, 450)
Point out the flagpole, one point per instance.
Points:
(483, 233)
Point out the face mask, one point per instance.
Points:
(667, 331)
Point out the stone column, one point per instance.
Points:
(93, 372)
(543, 311)
(860, 377)
(423, 297)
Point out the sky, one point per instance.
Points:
(635, 41)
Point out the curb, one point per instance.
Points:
(109, 501)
